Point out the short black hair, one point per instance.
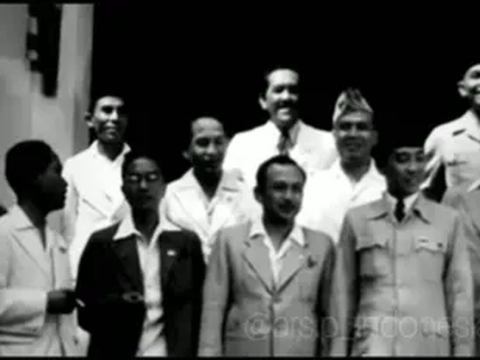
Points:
(103, 94)
(264, 81)
(25, 162)
(276, 160)
(140, 153)
(399, 130)
(186, 140)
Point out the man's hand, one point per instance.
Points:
(61, 301)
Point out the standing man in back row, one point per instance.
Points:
(453, 148)
(353, 179)
(284, 133)
(94, 196)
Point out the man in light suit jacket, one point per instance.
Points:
(94, 198)
(206, 199)
(36, 288)
(270, 289)
(467, 202)
(404, 257)
(140, 284)
(284, 133)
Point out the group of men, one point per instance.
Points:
(284, 241)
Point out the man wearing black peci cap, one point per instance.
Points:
(409, 282)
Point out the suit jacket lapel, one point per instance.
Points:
(29, 240)
(257, 256)
(126, 252)
(295, 259)
(169, 253)
(226, 207)
(98, 200)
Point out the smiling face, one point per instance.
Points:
(469, 86)
(281, 195)
(405, 170)
(109, 120)
(281, 97)
(207, 146)
(355, 136)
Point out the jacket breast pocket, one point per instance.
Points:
(372, 257)
(430, 258)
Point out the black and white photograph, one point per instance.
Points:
(200, 180)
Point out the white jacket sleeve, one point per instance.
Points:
(22, 310)
(69, 212)
(432, 151)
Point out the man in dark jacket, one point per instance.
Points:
(139, 285)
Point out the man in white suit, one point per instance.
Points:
(284, 133)
(207, 199)
(94, 196)
(36, 296)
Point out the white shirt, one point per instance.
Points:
(329, 194)
(313, 149)
(185, 206)
(456, 145)
(295, 237)
(152, 341)
(94, 197)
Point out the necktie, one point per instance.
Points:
(400, 209)
(284, 142)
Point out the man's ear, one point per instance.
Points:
(88, 119)
(257, 194)
(186, 155)
(262, 102)
(462, 90)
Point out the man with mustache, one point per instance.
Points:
(284, 133)
(353, 179)
(36, 288)
(405, 261)
(453, 147)
(270, 289)
(207, 198)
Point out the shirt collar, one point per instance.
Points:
(258, 230)
(127, 228)
(228, 181)
(20, 221)
(293, 132)
(95, 151)
(409, 201)
(372, 172)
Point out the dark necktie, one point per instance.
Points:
(284, 142)
(400, 209)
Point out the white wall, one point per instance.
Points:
(24, 111)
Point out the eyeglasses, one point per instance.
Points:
(137, 178)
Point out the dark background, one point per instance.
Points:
(174, 65)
